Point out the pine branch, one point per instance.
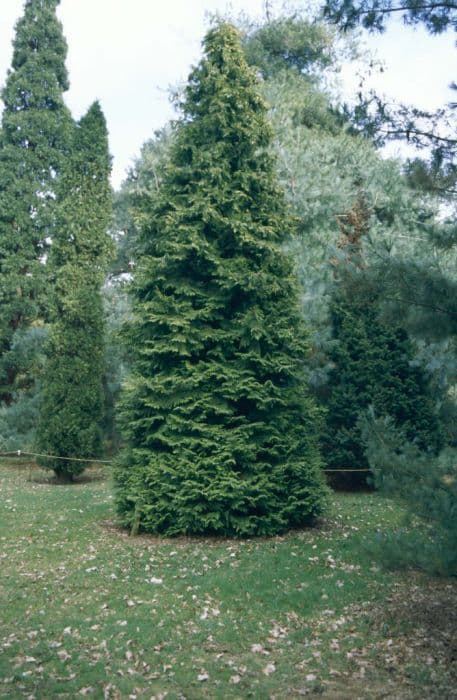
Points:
(405, 8)
(414, 302)
(417, 132)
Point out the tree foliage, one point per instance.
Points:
(320, 163)
(373, 365)
(117, 313)
(372, 362)
(434, 132)
(324, 167)
(289, 42)
(427, 486)
(72, 397)
(221, 436)
(33, 144)
(18, 419)
(132, 203)
(436, 16)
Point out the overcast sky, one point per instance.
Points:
(128, 53)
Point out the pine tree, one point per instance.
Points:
(35, 131)
(220, 432)
(431, 132)
(426, 486)
(72, 397)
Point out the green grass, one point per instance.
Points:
(87, 610)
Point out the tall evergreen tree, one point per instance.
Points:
(372, 365)
(220, 433)
(72, 395)
(35, 132)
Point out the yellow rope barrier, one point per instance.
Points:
(21, 453)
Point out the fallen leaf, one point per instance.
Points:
(269, 669)
(258, 649)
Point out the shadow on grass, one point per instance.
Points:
(113, 527)
(35, 474)
(90, 476)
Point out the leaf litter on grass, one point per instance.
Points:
(92, 612)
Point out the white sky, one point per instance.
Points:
(128, 54)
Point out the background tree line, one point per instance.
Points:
(55, 208)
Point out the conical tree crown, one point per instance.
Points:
(84, 194)
(227, 134)
(35, 116)
(40, 41)
(219, 429)
(220, 97)
(92, 135)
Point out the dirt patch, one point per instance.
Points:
(416, 642)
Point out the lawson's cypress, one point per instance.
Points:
(72, 395)
(219, 430)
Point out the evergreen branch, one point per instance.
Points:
(405, 8)
(436, 16)
(420, 304)
(417, 132)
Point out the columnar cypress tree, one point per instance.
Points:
(373, 365)
(35, 130)
(72, 396)
(220, 432)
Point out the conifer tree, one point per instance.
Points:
(72, 397)
(35, 131)
(426, 486)
(220, 432)
(373, 365)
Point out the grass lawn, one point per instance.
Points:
(86, 610)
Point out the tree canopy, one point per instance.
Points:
(435, 16)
